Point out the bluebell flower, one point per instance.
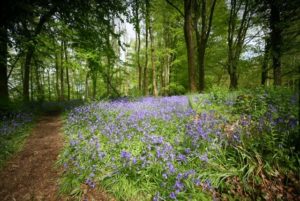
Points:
(125, 155)
(172, 195)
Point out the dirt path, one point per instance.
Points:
(31, 174)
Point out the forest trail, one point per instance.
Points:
(31, 174)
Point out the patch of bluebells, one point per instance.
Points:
(11, 123)
(164, 136)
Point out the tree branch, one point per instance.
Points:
(171, 4)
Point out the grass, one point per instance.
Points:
(13, 143)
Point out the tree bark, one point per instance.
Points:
(87, 85)
(40, 93)
(264, 71)
(94, 85)
(154, 80)
(62, 91)
(49, 85)
(202, 37)
(188, 35)
(233, 78)
(27, 64)
(4, 97)
(146, 56)
(138, 44)
(57, 74)
(276, 40)
(67, 69)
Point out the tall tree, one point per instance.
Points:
(265, 62)
(154, 80)
(31, 47)
(188, 15)
(136, 13)
(188, 35)
(62, 89)
(237, 30)
(204, 11)
(3, 64)
(147, 22)
(67, 68)
(276, 39)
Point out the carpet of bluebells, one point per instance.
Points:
(199, 147)
(13, 127)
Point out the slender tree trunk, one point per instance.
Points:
(264, 71)
(87, 86)
(202, 37)
(67, 69)
(27, 73)
(237, 30)
(201, 60)
(138, 44)
(62, 93)
(146, 56)
(49, 85)
(154, 81)
(43, 83)
(57, 74)
(94, 85)
(108, 80)
(276, 40)
(31, 86)
(40, 96)
(4, 97)
(188, 35)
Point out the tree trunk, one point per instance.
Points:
(27, 73)
(4, 97)
(276, 40)
(62, 96)
(188, 35)
(31, 86)
(138, 44)
(40, 94)
(146, 56)
(57, 74)
(154, 81)
(202, 37)
(87, 86)
(233, 79)
(237, 30)
(67, 69)
(108, 80)
(201, 57)
(49, 85)
(43, 19)
(265, 66)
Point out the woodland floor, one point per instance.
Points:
(32, 174)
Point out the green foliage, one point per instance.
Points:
(267, 148)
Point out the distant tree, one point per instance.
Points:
(240, 14)
(204, 11)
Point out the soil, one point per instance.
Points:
(32, 174)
